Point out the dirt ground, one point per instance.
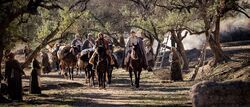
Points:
(57, 91)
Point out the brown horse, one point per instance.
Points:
(68, 61)
(83, 64)
(102, 66)
(135, 64)
(111, 67)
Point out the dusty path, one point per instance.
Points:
(58, 91)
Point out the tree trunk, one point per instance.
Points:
(180, 48)
(214, 43)
(182, 52)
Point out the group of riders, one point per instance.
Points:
(106, 42)
(101, 50)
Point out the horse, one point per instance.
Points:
(119, 57)
(102, 66)
(135, 65)
(83, 64)
(53, 57)
(111, 67)
(68, 60)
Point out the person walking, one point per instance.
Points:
(35, 78)
(13, 76)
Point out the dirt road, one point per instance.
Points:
(58, 91)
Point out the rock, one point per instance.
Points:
(223, 94)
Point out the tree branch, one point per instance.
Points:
(85, 2)
(174, 6)
(185, 35)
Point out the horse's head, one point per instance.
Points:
(101, 51)
(135, 53)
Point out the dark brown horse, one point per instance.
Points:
(102, 66)
(135, 64)
(83, 64)
(111, 67)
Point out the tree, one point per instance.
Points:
(68, 18)
(11, 10)
(13, 13)
(210, 13)
(162, 20)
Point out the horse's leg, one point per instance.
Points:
(86, 75)
(99, 75)
(131, 76)
(88, 72)
(89, 76)
(110, 74)
(92, 76)
(80, 69)
(138, 78)
(66, 72)
(107, 75)
(69, 72)
(104, 78)
(77, 69)
(57, 65)
(72, 72)
(106, 71)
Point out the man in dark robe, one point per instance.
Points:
(34, 78)
(13, 76)
(149, 54)
(45, 63)
(26, 51)
(175, 65)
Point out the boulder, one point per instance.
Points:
(221, 94)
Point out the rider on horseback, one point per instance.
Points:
(134, 40)
(77, 43)
(102, 42)
(89, 42)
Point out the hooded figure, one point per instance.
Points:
(45, 63)
(13, 76)
(35, 78)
